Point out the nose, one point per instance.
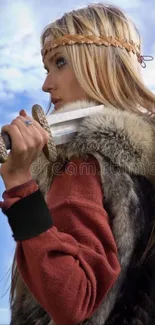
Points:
(49, 84)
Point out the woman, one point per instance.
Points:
(85, 238)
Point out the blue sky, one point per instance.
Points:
(22, 75)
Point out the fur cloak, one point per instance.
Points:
(124, 145)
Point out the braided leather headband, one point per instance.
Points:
(69, 39)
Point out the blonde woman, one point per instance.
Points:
(85, 233)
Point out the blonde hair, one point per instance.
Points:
(109, 75)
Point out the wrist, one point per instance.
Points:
(16, 179)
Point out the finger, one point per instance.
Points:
(23, 113)
(43, 132)
(22, 139)
(32, 135)
(17, 141)
(36, 123)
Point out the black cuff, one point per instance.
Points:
(29, 216)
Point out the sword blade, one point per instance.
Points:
(64, 126)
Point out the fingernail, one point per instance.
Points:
(22, 111)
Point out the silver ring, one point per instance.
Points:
(27, 122)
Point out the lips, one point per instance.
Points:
(57, 104)
(54, 100)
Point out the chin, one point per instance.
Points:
(73, 106)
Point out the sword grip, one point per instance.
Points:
(5, 144)
(6, 139)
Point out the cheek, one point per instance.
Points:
(74, 85)
(67, 82)
(71, 87)
(77, 90)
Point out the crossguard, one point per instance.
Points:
(49, 149)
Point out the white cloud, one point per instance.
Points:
(21, 68)
(4, 316)
(4, 96)
(25, 80)
(20, 59)
(128, 4)
(133, 4)
(20, 21)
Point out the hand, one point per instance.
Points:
(27, 143)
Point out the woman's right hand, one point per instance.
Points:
(26, 141)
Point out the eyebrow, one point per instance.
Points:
(52, 58)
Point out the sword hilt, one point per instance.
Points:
(49, 149)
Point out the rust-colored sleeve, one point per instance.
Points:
(16, 193)
(71, 267)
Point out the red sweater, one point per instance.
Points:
(70, 267)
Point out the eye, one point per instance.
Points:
(60, 62)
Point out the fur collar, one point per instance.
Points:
(126, 139)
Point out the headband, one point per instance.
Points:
(69, 39)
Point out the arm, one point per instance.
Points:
(74, 263)
(15, 179)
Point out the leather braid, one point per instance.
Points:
(69, 39)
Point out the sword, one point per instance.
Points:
(62, 127)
